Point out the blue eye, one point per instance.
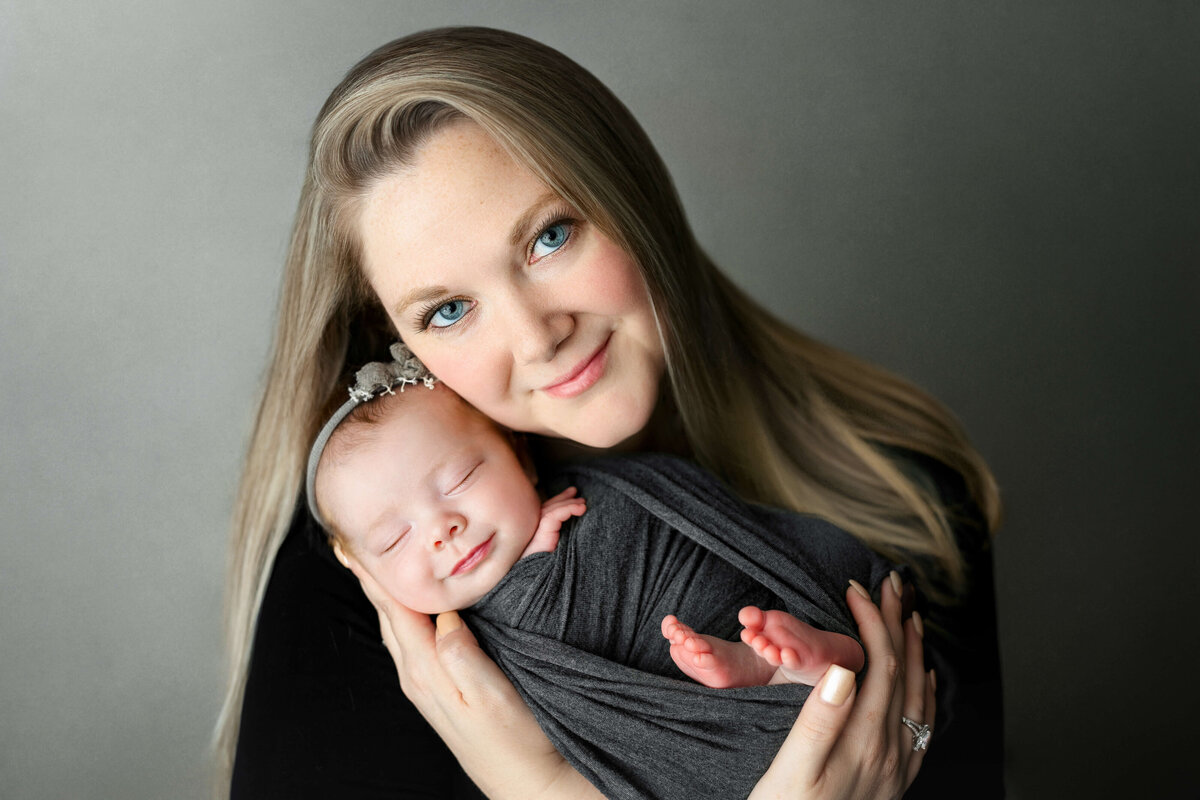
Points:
(552, 238)
(447, 314)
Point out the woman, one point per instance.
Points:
(488, 201)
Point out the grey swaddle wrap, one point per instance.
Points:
(578, 630)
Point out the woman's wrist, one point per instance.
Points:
(530, 772)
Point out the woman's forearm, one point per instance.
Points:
(525, 776)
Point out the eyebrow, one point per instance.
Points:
(423, 295)
(520, 230)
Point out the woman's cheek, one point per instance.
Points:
(476, 378)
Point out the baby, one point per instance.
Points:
(439, 504)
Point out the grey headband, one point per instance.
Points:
(373, 380)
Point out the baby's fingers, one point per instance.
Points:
(565, 494)
(561, 511)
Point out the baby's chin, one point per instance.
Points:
(433, 609)
(425, 608)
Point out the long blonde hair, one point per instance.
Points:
(806, 427)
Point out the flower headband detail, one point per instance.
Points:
(374, 380)
(378, 378)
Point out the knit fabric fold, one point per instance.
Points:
(577, 630)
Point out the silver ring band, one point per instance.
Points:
(921, 733)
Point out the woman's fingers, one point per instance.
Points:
(801, 762)
(891, 605)
(881, 698)
(883, 664)
(930, 707)
(916, 678)
(371, 589)
(848, 743)
(414, 642)
(479, 681)
(467, 699)
(403, 630)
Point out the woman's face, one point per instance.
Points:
(526, 310)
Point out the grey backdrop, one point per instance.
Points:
(997, 199)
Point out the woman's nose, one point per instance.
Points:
(537, 329)
(450, 527)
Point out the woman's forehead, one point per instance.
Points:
(464, 201)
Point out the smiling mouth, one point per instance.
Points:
(471, 559)
(583, 376)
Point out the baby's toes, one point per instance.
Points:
(752, 617)
(698, 645)
(766, 650)
(790, 659)
(757, 641)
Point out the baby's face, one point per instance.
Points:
(432, 501)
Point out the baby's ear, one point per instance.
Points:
(341, 554)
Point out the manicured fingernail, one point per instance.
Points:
(448, 622)
(858, 588)
(896, 584)
(839, 682)
(920, 626)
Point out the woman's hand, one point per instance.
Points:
(843, 746)
(470, 703)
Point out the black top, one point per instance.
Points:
(324, 716)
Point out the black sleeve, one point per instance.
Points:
(966, 755)
(323, 714)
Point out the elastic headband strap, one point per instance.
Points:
(373, 380)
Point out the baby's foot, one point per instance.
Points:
(713, 662)
(801, 652)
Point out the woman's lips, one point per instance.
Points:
(583, 376)
(477, 554)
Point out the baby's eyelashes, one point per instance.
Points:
(462, 483)
(395, 542)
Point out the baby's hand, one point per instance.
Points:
(555, 512)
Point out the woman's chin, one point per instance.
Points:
(617, 440)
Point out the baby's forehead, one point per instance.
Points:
(437, 406)
(426, 417)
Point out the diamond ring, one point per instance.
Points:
(921, 733)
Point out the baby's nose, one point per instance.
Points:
(453, 527)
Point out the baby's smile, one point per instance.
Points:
(472, 559)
